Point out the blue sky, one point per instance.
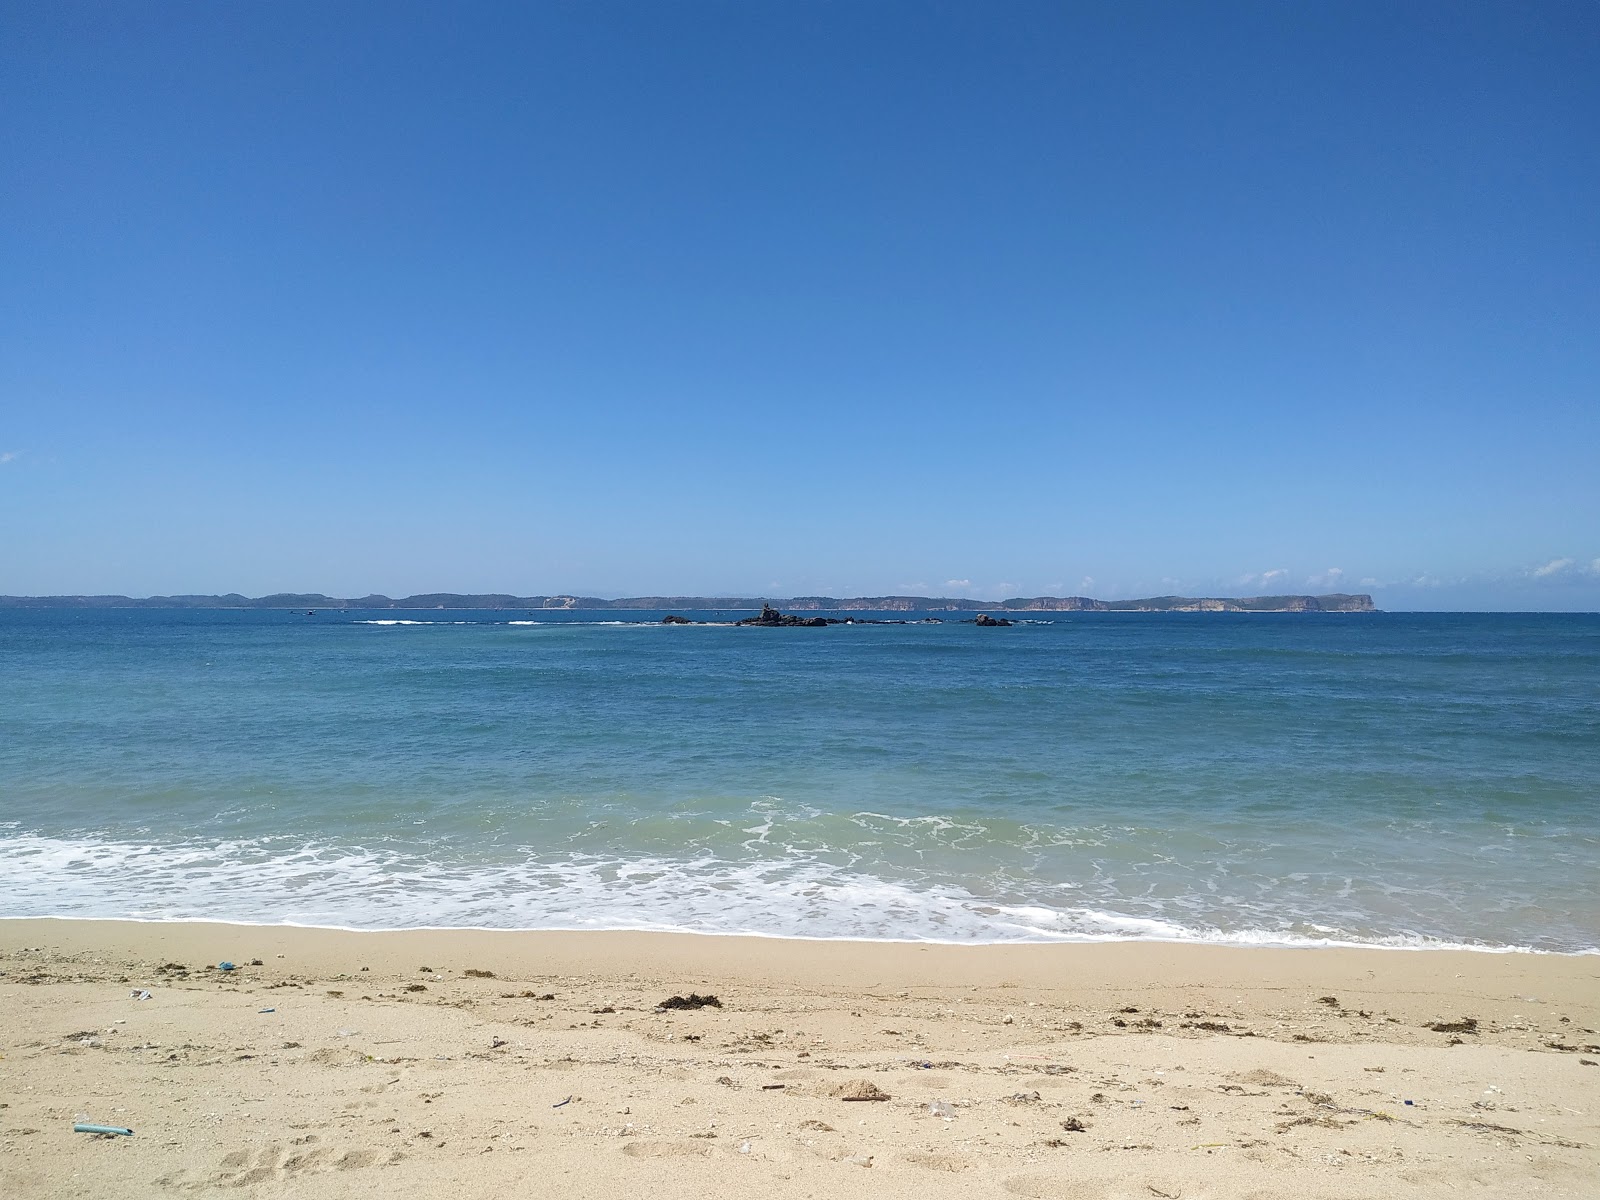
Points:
(627, 298)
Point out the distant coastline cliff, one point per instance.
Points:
(1336, 602)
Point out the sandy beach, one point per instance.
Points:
(437, 1063)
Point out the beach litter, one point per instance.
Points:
(139, 994)
(943, 1108)
(560, 1103)
(226, 966)
(860, 1089)
(266, 1010)
(104, 1130)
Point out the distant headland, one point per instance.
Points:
(1336, 602)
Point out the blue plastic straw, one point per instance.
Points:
(116, 1129)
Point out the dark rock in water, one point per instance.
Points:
(986, 620)
(771, 617)
(692, 1000)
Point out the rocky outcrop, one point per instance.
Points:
(985, 621)
(772, 617)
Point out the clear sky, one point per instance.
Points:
(795, 297)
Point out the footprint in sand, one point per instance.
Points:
(939, 1162)
(276, 1162)
(798, 1073)
(665, 1150)
(1261, 1077)
(1035, 1187)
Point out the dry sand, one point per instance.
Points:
(424, 1064)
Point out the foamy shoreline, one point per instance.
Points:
(1261, 941)
(333, 886)
(1192, 1070)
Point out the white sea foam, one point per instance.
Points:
(398, 621)
(274, 882)
(640, 623)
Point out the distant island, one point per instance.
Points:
(1336, 602)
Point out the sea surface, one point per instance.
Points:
(1402, 780)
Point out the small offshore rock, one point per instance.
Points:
(772, 617)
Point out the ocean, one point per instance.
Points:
(1406, 780)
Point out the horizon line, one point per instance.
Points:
(566, 601)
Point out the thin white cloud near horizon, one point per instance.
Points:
(1566, 567)
(1264, 578)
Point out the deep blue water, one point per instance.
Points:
(1407, 779)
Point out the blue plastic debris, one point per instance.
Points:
(114, 1130)
(226, 966)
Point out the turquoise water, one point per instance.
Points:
(1397, 779)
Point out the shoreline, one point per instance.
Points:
(724, 950)
(471, 1063)
(1223, 943)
